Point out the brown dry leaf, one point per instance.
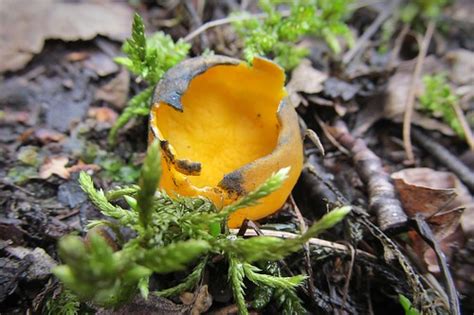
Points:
(305, 79)
(25, 25)
(442, 199)
(45, 136)
(115, 91)
(54, 165)
(423, 190)
(81, 166)
(103, 114)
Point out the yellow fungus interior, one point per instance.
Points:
(229, 119)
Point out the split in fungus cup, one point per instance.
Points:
(224, 128)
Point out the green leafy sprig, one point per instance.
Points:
(439, 100)
(148, 57)
(276, 35)
(170, 235)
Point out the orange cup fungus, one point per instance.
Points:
(224, 127)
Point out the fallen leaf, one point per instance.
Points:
(101, 64)
(25, 25)
(28, 155)
(462, 66)
(305, 79)
(423, 190)
(442, 200)
(103, 114)
(40, 262)
(336, 88)
(45, 136)
(54, 165)
(81, 166)
(115, 91)
(70, 194)
(152, 305)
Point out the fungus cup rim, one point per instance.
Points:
(173, 86)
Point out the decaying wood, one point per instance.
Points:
(382, 197)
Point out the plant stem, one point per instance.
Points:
(410, 101)
(312, 241)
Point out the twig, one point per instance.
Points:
(324, 128)
(68, 215)
(9, 183)
(312, 241)
(219, 22)
(425, 232)
(410, 101)
(228, 20)
(349, 276)
(313, 136)
(197, 22)
(307, 258)
(464, 124)
(369, 32)
(382, 197)
(445, 157)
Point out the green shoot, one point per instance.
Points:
(272, 184)
(96, 273)
(439, 100)
(236, 277)
(190, 282)
(170, 235)
(407, 307)
(149, 179)
(148, 58)
(65, 303)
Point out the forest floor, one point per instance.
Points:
(59, 100)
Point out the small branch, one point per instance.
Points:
(348, 277)
(465, 125)
(324, 128)
(197, 22)
(312, 241)
(383, 200)
(369, 32)
(307, 258)
(425, 232)
(204, 27)
(228, 20)
(465, 174)
(410, 101)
